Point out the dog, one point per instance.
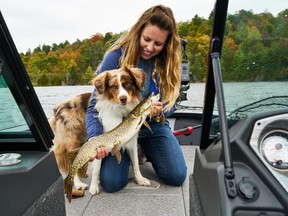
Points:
(118, 92)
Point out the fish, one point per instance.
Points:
(121, 134)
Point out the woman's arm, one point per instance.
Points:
(93, 124)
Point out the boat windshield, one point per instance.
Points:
(11, 118)
(23, 124)
(254, 60)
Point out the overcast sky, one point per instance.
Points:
(37, 22)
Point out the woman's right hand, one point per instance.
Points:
(158, 107)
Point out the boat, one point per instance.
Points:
(237, 160)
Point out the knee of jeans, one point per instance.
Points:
(176, 178)
(111, 185)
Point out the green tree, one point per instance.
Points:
(43, 80)
(88, 75)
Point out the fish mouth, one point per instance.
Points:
(155, 98)
(148, 107)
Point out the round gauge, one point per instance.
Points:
(274, 149)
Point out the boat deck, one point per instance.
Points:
(159, 199)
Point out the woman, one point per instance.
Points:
(153, 45)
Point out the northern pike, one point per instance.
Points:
(111, 140)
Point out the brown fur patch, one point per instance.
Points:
(68, 126)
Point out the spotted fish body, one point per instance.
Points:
(110, 140)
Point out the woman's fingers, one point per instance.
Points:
(100, 153)
(158, 106)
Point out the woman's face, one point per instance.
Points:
(152, 41)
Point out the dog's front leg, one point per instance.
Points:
(133, 155)
(78, 184)
(95, 181)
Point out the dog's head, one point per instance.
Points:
(121, 85)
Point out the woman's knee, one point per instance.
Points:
(114, 176)
(175, 177)
(111, 185)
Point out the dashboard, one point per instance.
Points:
(269, 141)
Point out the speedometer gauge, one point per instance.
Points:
(274, 149)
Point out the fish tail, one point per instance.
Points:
(68, 189)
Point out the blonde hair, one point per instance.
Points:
(167, 62)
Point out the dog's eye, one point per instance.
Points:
(128, 85)
(113, 88)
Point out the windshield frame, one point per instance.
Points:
(218, 29)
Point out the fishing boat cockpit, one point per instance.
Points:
(241, 135)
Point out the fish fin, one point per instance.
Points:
(148, 126)
(68, 189)
(162, 118)
(82, 171)
(157, 118)
(150, 116)
(115, 152)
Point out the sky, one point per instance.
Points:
(37, 22)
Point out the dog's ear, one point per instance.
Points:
(100, 82)
(139, 75)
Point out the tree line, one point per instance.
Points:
(255, 48)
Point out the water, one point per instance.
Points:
(236, 94)
(50, 96)
(10, 114)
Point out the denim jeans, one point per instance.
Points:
(161, 148)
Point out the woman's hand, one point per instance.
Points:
(158, 107)
(100, 153)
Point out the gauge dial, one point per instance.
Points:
(274, 149)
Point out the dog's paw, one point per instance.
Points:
(94, 189)
(143, 181)
(80, 186)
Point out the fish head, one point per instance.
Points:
(149, 104)
(145, 107)
(155, 97)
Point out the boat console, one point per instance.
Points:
(241, 165)
(259, 154)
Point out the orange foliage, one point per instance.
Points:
(96, 37)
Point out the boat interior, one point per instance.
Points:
(237, 160)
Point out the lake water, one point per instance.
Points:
(236, 94)
(50, 96)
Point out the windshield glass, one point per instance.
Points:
(254, 61)
(11, 118)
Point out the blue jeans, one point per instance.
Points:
(161, 148)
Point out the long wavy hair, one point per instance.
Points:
(167, 62)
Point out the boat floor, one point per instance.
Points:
(158, 199)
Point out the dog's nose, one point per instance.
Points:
(123, 99)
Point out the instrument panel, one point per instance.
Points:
(269, 140)
(274, 149)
